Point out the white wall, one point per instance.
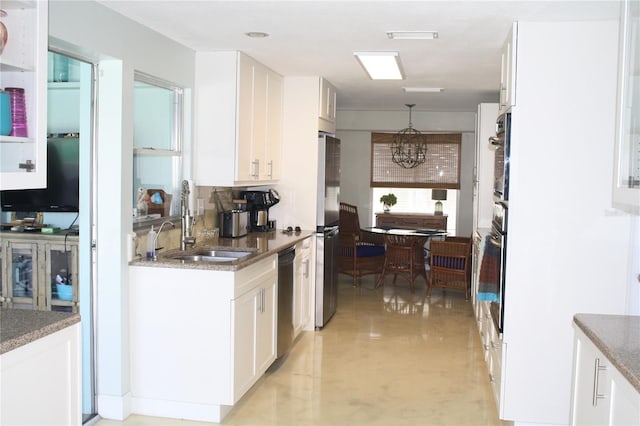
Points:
(354, 130)
(120, 46)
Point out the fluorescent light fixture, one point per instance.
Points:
(423, 89)
(381, 65)
(412, 35)
(256, 34)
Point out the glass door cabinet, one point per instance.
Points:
(39, 272)
(626, 190)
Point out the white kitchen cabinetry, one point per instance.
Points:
(601, 394)
(254, 329)
(195, 359)
(238, 127)
(492, 347)
(302, 290)
(542, 293)
(41, 381)
(483, 170)
(327, 106)
(626, 188)
(508, 70)
(23, 64)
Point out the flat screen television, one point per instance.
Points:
(63, 177)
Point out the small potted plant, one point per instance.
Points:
(387, 201)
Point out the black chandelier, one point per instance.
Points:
(409, 147)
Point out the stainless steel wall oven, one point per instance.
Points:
(498, 237)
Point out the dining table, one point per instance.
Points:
(418, 234)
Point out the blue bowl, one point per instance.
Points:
(5, 114)
(65, 292)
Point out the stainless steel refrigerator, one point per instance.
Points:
(327, 216)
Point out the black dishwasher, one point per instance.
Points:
(285, 299)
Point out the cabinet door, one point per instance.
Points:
(245, 310)
(297, 295)
(22, 275)
(626, 189)
(23, 157)
(265, 338)
(61, 261)
(273, 145)
(259, 124)
(246, 167)
(327, 101)
(306, 290)
(590, 384)
(508, 70)
(625, 401)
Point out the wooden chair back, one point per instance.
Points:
(359, 253)
(451, 264)
(404, 256)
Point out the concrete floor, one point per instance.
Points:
(387, 357)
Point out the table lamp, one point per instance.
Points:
(438, 194)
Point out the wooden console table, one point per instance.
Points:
(411, 220)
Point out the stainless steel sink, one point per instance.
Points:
(207, 255)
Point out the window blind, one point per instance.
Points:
(440, 170)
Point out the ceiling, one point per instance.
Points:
(319, 38)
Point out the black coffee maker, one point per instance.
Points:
(258, 204)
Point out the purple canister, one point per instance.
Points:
(5, 113)
(18, 111)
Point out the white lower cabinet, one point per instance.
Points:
(601, 395)
(41, 381)
(199, 338)
(254, 333)
(302, 291)
(492, 348)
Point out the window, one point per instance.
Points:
(440, 170)
(412, 187)
(157, 140)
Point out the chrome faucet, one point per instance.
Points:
(186, 220)
(155, 240)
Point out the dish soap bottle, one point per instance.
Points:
(151, 239)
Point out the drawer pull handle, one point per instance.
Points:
(597, 368)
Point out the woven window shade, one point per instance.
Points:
(440, 170)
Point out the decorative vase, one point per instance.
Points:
(386, 208)
(4, 33)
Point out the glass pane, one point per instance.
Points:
(1, 282)
(154, 112)
(22, 273)
(156, 172)
(60, 275)
(630, 169)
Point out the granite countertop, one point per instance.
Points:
(264, 244)
(19, 327)
(618, 338)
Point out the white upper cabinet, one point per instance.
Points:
(238, 129)
(23, 64)
(626, 179)
(327, 106)
(508, 70)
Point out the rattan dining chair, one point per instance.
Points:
(360, 253)
(404, 256)
(450, 266)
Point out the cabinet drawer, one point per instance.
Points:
(251, 276)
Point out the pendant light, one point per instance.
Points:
(409, 147)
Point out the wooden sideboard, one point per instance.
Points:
(411, 220)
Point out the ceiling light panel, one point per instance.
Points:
(412, 35)
(423, 89)
(381, 65)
